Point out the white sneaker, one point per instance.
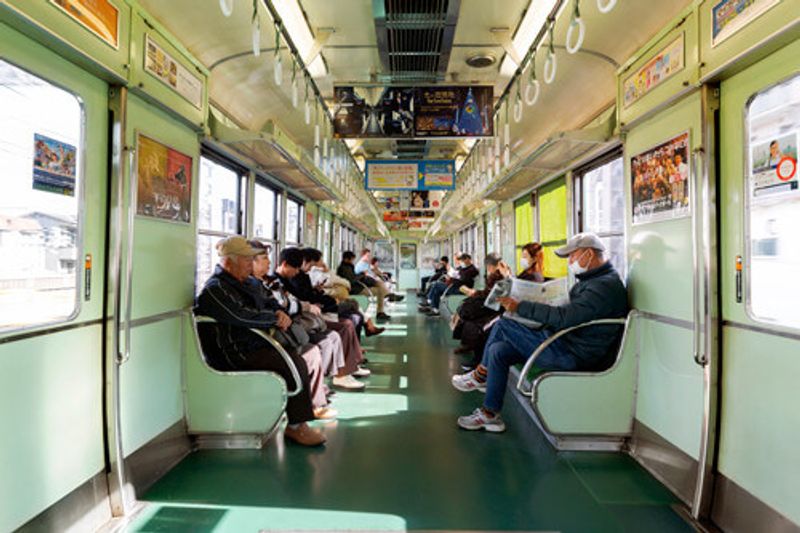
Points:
(361, 372)
(348, 382)
(467, 382)
(480, 419)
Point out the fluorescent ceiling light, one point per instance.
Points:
(297, 27)
(532, 23)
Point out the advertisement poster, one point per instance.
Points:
(774, 165)
(661, 67)
(730, 16)
(54, 165)
(398, 174)
(454, 112)
(406, 112)
(164, 67)
(392, 175)
(164, 181)
(390, 115)
(429, 200)
(408, 256)
(98, 16)
(661, 181)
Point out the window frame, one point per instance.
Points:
(80, 218)
(747, 205)
(301, 207)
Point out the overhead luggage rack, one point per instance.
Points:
(276, 154)
(557, 154)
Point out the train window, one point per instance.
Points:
(773, 205)
(264, 212)
(600, 204)
(219, 213)
(294, 222)
(41, 145)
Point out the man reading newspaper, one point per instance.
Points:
(598, 293)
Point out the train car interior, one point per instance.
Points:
(399, 265)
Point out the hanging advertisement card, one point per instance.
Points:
(174, 75)
(454, 112)
(390, 115)
(773, 165)
(392, 175)
(665, 64)
(661, 181)
(164, 179)
(54, 165)
(730, 16)
(100, 17)
(439, 175)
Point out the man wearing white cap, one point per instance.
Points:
(231, 301)
(598, 293)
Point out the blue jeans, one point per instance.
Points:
(510, 343)
(435, 293)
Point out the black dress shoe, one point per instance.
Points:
(382, 316)
(376, 331)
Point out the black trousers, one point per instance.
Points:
(425, 280)
(298, 408)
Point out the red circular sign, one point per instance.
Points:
(786, 169)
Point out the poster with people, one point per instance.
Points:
(774, 165)
(730, 16)
(406, 112)
(164, 181)
(660, 178)
(54, 165)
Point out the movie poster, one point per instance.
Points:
(661, 181)
(164, 180)
(406, 112)
(773, 165)
(54, 165)
(730, 16)
(454, 112)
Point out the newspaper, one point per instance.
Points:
(554, 292)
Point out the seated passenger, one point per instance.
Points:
(329, 351)
(290, 266)
(230, 298)
(346, 308)
(362, 284)
(440, 270)
(463, 277)
(598, 293)
(475, 319)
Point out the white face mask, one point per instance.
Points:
(524, 263)
(576, 268)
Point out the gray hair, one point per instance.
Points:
(492, 259)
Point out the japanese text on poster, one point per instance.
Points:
(54, 165)
(164, 181)
(164, 67)
(661, 176)
(661, 67)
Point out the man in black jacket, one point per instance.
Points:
(232, 297)
(439, 272)
(599, 293)
(465, 277)
(362, 284)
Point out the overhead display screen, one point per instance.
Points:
(413, 112)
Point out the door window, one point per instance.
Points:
(41, 149)
(773, 217)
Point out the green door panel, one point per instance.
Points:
(760, 422)
(150, 383)
(51, 386)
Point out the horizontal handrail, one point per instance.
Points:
(199, 319)
(543, 346)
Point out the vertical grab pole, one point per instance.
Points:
(709, 298)
(117, 479)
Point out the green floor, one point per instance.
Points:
(395, 460)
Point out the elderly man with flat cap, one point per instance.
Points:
(229, 298)
(598, 293)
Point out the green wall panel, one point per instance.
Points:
(670, 388)
(553, 226)
(150, 381)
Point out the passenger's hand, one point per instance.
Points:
(470, 292)
(504, 269)
(314, 309)
(510, 304)
(283, 321)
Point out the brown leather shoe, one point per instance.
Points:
(304, 435)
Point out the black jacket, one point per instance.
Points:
(302, 289)
(599, 293)
(236, 306)
(466, 276)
